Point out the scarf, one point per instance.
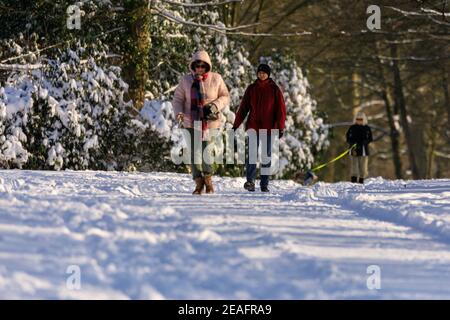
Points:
(198, 101)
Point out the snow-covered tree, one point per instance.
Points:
(70, 113)
(15, 103)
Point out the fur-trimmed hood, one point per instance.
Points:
(201, 55)
(215, 92)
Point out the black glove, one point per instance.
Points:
(211, 112)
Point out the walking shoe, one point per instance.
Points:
(209, 185)
(264, 189)
(199, 185)
(361, 180)
(354, 179)
(249, 186)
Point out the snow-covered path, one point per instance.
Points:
(136, 235)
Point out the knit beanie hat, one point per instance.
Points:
(264, 68)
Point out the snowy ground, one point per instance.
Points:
(144, 236)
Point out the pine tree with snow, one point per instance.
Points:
(14, 105)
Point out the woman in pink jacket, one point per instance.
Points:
(199, 99)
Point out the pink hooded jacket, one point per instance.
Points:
(215, 92)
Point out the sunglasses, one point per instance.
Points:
(200, 66)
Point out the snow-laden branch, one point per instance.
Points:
(412, 58)
(371, 103)
(20, 67)
(436, 13)
(284, 35)
(31, 53)
(204, 4)
(57, 45)
(169, 35)
(442, 154)
(438, 21)
(219, 28)
(406, 41)
(223, 29)
(423, 12)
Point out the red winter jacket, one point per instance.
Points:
(264, 102)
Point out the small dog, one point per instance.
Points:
(306, 179)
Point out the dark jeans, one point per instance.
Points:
(250, 168)
(200, 169)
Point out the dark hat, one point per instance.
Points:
(264, 68)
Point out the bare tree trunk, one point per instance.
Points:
(136, 58)
(439, 170)
(431, 149)
(446, 99)
(401, 105)
(258, 14)
(330, 173)
(233, 13)
(356, 80)
(394, 137)
(394, 134)
(340, 170)
(224, 14)
(418, 128)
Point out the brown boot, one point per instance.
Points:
(199, 185)
(209, 185)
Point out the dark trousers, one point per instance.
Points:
(266, 154)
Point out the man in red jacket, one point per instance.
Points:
(264, 104)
